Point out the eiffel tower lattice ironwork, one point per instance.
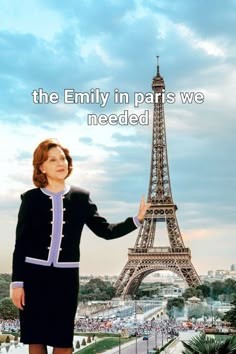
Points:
(144, 258)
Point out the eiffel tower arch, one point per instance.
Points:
(144, 258)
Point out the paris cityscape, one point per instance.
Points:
(140, 93)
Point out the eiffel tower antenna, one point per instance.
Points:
(158, 68)
(144, 258)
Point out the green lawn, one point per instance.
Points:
(97, 334)
(102, 345)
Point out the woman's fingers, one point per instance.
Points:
(23, 299)
(18, 298)
(143, 208)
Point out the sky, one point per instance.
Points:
(107, 45)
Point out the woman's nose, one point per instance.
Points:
(61, 162)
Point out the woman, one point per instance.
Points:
(45, 279)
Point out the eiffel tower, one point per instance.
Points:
(144, 258)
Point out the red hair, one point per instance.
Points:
(41, 154)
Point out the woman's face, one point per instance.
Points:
(56, 165)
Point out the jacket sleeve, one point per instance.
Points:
(102, 228)
(22, 230)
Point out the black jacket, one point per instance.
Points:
(34, 227)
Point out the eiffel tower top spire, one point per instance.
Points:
(158, 68)
(158, 84)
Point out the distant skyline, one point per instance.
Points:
(84, 45)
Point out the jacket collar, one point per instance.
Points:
(51, 194)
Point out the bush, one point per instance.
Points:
(8, 310)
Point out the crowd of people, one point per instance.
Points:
(167, 327)
(9, 325)
(104, 325)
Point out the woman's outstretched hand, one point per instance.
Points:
(142, 209)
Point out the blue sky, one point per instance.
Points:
(109, 44)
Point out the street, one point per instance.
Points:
(142, 345)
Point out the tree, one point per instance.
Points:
(230, 286)
(196, 311)
(190, 292)
(217, 288)
(175, 306)
(110, 290)
(230, 316)
(213, 345)
(96, 289)
(5, 280)
(199, 310)
(8, 310)
(222, 290)
(205, 289)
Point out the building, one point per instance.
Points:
(221, 272)
(171, 291)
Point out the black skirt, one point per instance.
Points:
(51, 298)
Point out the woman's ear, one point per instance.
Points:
(41, 169)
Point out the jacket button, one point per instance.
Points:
(51, 209)
(60, 249)
(62, 236)
(50, 197)
(63, 222)
(64, 209)
(48, 248)
(51, 222)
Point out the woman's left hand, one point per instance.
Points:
(142, 209)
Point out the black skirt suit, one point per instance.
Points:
(46, 260)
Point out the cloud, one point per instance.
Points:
(208, 46)
(209, 233)
(118, 137)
